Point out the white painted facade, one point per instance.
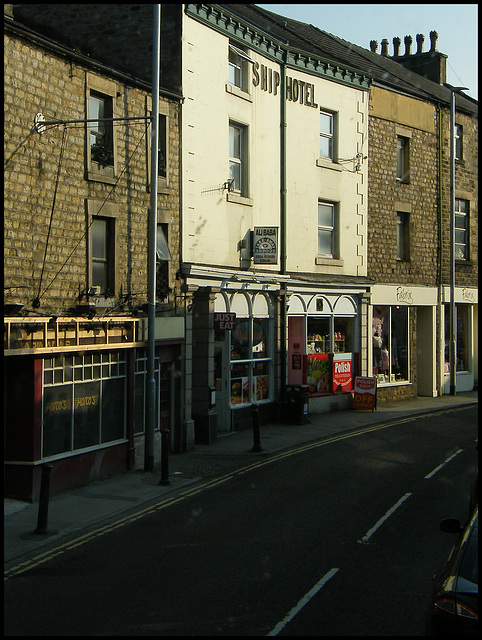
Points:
(215, 221)
(276, 110)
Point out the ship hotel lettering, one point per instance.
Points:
(296, 90)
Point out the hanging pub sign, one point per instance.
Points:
(265, 245)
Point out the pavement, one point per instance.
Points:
(78, 510)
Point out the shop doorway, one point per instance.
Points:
(221, 382)
(426, 350)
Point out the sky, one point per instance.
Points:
(456, 25)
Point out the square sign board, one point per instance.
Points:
(265, 245)
(224, 321)
(365, 394)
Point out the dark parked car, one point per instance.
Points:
(454, 607)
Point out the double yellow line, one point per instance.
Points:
(198, 488)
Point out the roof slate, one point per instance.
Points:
(382, 69)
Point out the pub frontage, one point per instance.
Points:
(75, 391)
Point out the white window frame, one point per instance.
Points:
(328, 135)
(238, 61)
(240, 185)
(328, 228)
(459, 230)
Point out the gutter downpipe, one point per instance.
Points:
(283, 310)
(441, 339)
(152, 229)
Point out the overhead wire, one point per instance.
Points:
(88, 227)
(36, 301)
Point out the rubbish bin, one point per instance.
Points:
(296, 403)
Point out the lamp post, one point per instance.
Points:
(152, 228)
(453, 326)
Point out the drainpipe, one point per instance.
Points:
(283, 310)
(441, 328)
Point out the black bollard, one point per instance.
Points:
(43, 504)
(256, 438)
(164, 457)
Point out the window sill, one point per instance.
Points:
(94, 176)
(329, 262)
(235, 198)
(325, 163)
(240, 93)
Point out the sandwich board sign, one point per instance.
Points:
(365, 394)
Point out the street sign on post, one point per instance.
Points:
(365, 394)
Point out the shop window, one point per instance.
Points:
(344, 335)
(462, 339)
(403, 155)
(390, 340)
(327, 135)
(318, 335)
(251, 360)
(325, 337)
(403, 236)
(461, 229)
(83, 402)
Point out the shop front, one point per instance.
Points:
(244, 357)
(75, 398)
(324, 345)
(403, 338)
(466, 356)
(232, 353)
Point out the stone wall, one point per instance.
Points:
(386, 197)
(46, 193)
(466, 188)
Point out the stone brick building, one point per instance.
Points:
(371, 150)
(409, 223)
(76, 201)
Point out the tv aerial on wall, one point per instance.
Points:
(226, 186)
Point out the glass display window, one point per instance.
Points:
(462, 340)
(250, 361)
(390, 344)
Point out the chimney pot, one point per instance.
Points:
(384, 47)
(408, 44)
(373, 46)
(420, 38)
(433, 40)
(396, 46)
